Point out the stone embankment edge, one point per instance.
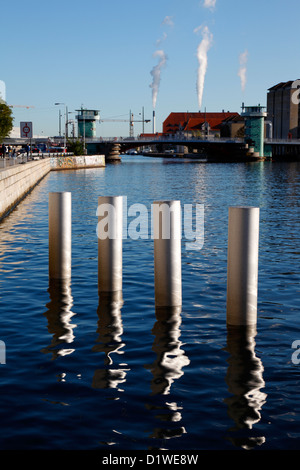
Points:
(17, 181)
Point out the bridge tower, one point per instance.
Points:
(255, 127)
(87, 122)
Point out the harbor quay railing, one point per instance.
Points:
(185, 138)
(11, 161)
(162, 139)
(283, 141)
(21, 159)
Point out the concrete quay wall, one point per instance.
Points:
(77, 162)
(17, 181)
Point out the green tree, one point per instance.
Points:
(6, 120)
(76, 147)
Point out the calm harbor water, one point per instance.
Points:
(81, 374)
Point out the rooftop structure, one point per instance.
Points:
(255, 127)
(87, 122)
(192, 122)
(283, 110)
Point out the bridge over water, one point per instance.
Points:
(219, 149)
(116, 146)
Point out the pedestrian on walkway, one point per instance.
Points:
(3, 151)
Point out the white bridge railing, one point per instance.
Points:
(283, 141)
(162, 139)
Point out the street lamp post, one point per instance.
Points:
(59, 123)
(70, 121)
(66, 118)
(84, 147)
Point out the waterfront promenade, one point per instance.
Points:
(19, 176)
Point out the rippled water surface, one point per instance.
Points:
(82, 374)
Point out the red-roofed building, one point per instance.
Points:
(212, 123)
(151, 136)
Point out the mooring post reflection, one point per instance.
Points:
(170, 360)
(245, 381)
(59, 316)
(110, 330)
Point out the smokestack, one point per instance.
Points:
(154, 122)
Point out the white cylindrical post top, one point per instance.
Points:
(109, 232)
(60, 235)
(167, 253)
(242, 274)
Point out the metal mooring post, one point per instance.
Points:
(109, 232)
(242, 267)
(167, 253)
(60, 235)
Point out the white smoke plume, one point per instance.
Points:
(209, 4)
(168, 20)
(242, 73)
(2, 91)
(156, 73)
(163, 38)
(202, 50)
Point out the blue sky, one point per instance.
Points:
(100, 54)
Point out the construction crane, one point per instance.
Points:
(131, 120)
(19, 106)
